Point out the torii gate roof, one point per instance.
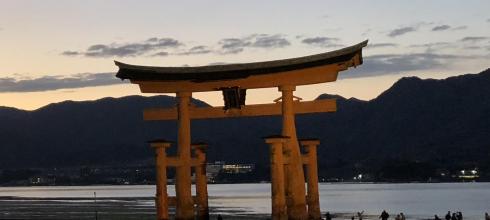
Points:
(319, 68)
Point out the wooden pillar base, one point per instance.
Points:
(278, 193)
(201, 181)
(312, 197)
(161, 198)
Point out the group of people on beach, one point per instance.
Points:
(455, 216)
(384, 216)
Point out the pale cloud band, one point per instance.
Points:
(326, 42)
(434, 56)
(48, 83)
(441, 28)
(128, 49)
(375, 65)
(401, 31)
(170, 46)
(387, 64)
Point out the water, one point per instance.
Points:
(417, 201)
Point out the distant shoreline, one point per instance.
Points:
(412, 182)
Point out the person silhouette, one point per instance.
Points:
(327, 216)
(436, 217)
(384, 215)
(487, 217)
(454, 217)
(448, 215)
(219, 217)
(459, 215)
(402, 216)
(359, 214)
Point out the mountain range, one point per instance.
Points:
(418, 126)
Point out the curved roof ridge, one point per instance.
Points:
(232, 71)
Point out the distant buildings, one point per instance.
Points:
(469, 174)
(43, 180)
(213, 169)
(216, 172)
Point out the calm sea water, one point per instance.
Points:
(417, 201)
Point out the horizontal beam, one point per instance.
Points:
(322, 105)
(306, 76)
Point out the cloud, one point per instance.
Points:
(47, 83)
(322, 41)
(160, 54)
(379, 45)
(441, 28)
(70, 53)
(237, 45)
(474, 39)
(463, 27)
(434, 46)
(197, 50)
(128, 49)
(448, 27)
(270, 41)
(401, 31)
(386, 64)
(233, 45)
(488, 20)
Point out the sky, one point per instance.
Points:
(52, 51)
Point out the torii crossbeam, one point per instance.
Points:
(233, 80)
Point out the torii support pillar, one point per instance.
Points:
(201, 181)
(312, 197)
(161, 200)
(183, 183)
(277, 176)
(295, 181)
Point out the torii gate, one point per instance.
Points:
(289, 197)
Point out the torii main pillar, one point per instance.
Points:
(183, 184)
(295, 182)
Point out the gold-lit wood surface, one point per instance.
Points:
(307, 76)
(304, 107)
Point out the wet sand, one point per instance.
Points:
(117, 208)
(86, 208)
(141, 208)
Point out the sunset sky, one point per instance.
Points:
(52, 50)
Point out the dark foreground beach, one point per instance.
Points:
(106, 208)
(110, 209)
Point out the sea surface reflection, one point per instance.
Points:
(416, 200)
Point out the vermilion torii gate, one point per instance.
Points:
(290, 199)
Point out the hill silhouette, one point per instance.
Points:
(417, 126)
